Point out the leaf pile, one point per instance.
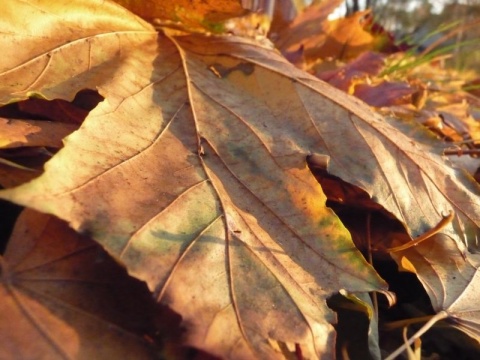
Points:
(203, 165)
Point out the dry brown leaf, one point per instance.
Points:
(457, 116)
(193, 174)
(386, 93)
(307, 29)
(451, 279)
(18, 133)
(188, 211)
(347, 37)
(58, 110)
(319, 39)
(364, 150)
(12, 176)
(344, 77)
(94, 52)
(62, 297)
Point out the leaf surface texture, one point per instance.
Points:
(192, 173)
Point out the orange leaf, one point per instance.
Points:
(188, 12)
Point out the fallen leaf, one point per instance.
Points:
(56, 40)
(60, 110)
(343, 39)
(307, 29)
(450, 278)
(204, 13)
(385, 93)
(185, 194)
(457, 117)
(347, 37)
(18, 133)
(12, 176)
(364, 150)
(62, 297)
(196, 164)
(365, 65)
(473, 87)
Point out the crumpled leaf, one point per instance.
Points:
(193, 174)
(450, 278)
(62, 297)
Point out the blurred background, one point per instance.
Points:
(425, 23)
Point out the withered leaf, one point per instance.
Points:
(193, 174)
(191, 12)
(18, 133)
(62, 297)
(450, 278)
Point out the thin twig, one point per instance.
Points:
(442, 224)
(460, 152)
(440, 316)
(370, 261)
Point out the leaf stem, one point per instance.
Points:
(403, 323)
(370, 260)
(441, 225)
(460, 152)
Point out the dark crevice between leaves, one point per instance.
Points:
(339, 191)
(351, 327)
(412, 300)
(25, 161)
(355, 209)
(361, 216)
(170, 337)
(441, 341)
(9, 213)
(54, 110)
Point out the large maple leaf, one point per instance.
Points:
(193, 172)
